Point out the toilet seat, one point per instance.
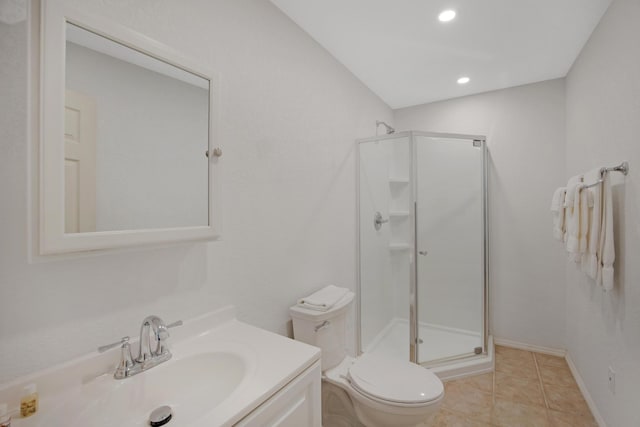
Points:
(394, 382)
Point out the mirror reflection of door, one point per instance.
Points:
(79, 163)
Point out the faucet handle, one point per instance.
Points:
(174, 324)
(162, 336)
(126, 364)
(122, 342)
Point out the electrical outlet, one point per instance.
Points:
(612, 380)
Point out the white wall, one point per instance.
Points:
(290, 115)
(151, 136)
(525, 136)
(603, 128)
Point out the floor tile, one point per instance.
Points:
(482, 382)
(446, 418)
(519, 389)
(510, 414)
(521, 366)
(472, 403)
(512, 353)
(557, 375)
(564, 419)
(526, 390)
(548, 360)
(566, 399)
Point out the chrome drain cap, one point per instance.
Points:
(160, 416)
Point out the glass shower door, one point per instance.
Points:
(450, 247)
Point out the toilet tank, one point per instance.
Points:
(324, 329)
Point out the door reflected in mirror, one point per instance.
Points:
(136, 134)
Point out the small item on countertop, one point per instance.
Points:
(29, 401)
(5, 418)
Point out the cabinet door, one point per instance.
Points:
(298, 404)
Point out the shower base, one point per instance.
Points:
(444, 349)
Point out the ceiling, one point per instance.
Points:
(404, 54)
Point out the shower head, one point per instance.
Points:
(390, 130)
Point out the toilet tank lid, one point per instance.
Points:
(299, 312)
(394, 381)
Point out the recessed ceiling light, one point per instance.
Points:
(463, 80)
(447, 15)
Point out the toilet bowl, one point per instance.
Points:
(384, 392)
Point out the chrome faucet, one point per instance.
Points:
(150, 355)
(160, 334)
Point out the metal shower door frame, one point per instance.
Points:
(414, 308)
(413, 266)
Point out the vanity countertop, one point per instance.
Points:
(208, 352)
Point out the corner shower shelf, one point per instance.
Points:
(394, 247)
(398, 214)
(397, 180)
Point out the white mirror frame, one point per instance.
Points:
(53, 239)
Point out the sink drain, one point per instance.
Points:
(160, 416)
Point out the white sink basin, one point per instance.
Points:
(192, 386)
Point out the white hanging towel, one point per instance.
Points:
(557, 211)
(571, 190)
(606, 253)
(571, 222)
(574, 238)
(590, 260)
(586, 204)
(323, 299)
(572, 216)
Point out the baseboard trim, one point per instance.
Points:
(585, 392)
(529, 347)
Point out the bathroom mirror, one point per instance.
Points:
(127, 132)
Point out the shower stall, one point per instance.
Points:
(422, 208)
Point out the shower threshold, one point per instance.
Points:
(449, 352)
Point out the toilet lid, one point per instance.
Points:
(394, 380)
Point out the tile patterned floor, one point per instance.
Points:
(526, 390)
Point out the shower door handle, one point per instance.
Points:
(423, 253)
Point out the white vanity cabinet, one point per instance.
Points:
(297, 404)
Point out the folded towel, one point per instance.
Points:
(606, 254)
(570, 218)
(323, 299)
(590, 257)
(557, 209)
(571, 190)
(557, 201)
(573, 227)
(584, 196)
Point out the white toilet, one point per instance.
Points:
(383, 392)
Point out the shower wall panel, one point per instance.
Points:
(375, 259)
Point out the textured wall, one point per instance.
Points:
(603, 126)
(289, 116)
(525, 136)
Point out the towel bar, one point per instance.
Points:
(623, 167)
